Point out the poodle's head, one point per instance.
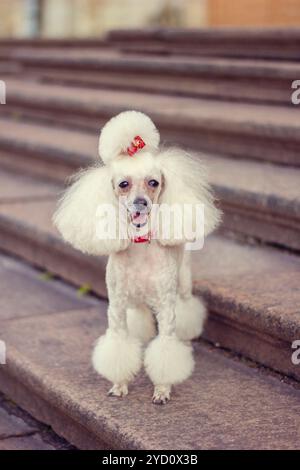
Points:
(137, 185)
(138, 194)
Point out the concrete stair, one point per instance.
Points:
(8, 68)
(244, 312)
(237, 400)
(48, 372)
(11, 44)
(259, 200)
(19, 431)
(266, 43)
(241, 130)
(217, 78)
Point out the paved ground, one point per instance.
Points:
(19, 431)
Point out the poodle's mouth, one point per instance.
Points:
(139, 219)
(139, 211)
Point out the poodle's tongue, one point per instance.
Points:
(139, 218)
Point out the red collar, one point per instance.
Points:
(142, 239)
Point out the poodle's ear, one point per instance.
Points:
(79, 216)
(185, 188)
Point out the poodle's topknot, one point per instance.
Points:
(118, 134)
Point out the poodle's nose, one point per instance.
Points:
(140, 202)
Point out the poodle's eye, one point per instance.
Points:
(123, 184)
(153, 183)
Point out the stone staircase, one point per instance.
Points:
(245, 392)
(252, 131)
(219, 78)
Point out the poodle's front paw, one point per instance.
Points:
(161, 394)
(118, 390)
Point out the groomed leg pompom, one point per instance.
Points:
(190, 317)
(117, 357)
(168, 361)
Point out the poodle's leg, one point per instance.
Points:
(119, 390)
(167, 359)
(161, 394)
(141, 323)
(190, 317)
(185, 282)
(190, 310)
(117, 356)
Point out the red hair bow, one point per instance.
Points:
(135, 145)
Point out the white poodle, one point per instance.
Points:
(109, 210)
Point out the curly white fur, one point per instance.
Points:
(117, 357)
(168, 361)
(126, 126)
(149, 285)
(76, 216)
(190, 317)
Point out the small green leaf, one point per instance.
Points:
(84, 289)
(46, 276)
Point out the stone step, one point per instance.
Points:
(12, 44)
(270, 43)
(29, 442)
(32, 296)
(252, 131)
(224, 405)
(20, 431)
(252, 292)
(266, 43)
(8, 68)
(36, 240)
(218, 78)
(259, 200)
(33, 293)
(11, 425)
